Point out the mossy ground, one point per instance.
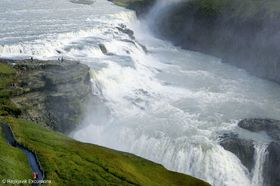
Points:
(7, 75)
(69, 162)
(7, 78)
(13, 162)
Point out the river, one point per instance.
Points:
(166, 104)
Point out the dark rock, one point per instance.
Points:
(127, 31)
(245, 37)
(270, 126)
(271, 171)
(242, 148)
(103, 49)
(53, 92)
(85, 2)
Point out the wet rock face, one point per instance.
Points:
(54, 92)
(270, 126)
(243, 149)
(271, 170)
(244, 37)
(272, 165)
(122, 28)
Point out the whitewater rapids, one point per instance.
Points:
(165, 104)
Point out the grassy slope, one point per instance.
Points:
(7, 76)
(69, 162)
(13, 162)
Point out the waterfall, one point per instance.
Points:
(167, 104)
(260, 156)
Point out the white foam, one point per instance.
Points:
(260, 156)
(168, 105)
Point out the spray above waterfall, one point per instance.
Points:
(170, 109)
(151, 98)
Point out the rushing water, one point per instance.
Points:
(260, 155)
(168, 104)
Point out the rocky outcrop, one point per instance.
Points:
(84, 2)
(242, 148)
(122, 28)
(52, 92)
(245, 151)
(272, 165)
(272, 162)
(103, 49)
(270, 126)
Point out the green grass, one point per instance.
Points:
(6, 69)
(7, 77)
(69, 162)
(13, 162)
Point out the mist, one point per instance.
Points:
(163, 82)
(242, 33)
(170, 105)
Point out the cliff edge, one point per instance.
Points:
(50, 92)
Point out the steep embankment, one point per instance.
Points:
(244, 33)
(69, 162)
(50, 92)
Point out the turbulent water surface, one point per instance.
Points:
(165, 104)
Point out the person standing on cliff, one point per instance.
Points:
(34, 175)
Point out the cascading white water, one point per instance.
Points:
(168, 105)
(260, 155)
